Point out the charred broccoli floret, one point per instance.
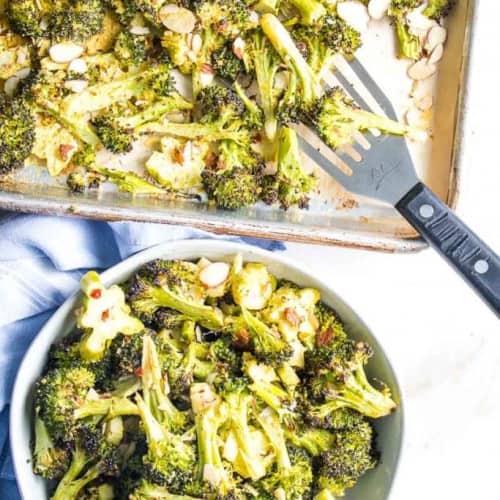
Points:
(311, 12)
(130, 48)
(342, 382)
(25, 16)
(226, 64)
(50, 460)
(58, 394)
(320, 45)
(336, 117)
(314, 441)
(308, 85)
(146, 298)
(293, 471)
(93, 457)
(17, 133)
(290, 186)
(351, 456)
(170, 459)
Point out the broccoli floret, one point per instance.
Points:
(437, 9)
(332, 418)
(77, 22)
(170, 460)
(125, 355)
(314, 441)
(105, 491)
(226, 64)
(82, 179)
(351, 456)
(290, 184)
(239, 402)
(49, 460)
(156, 388)
(293, 467)
(311, 11)
(58, 394)
(178, 48)
(336, 117)
(266, 387)
(17, 133)
(309, 86)
(130, 48)
(252, 284)
(150, 491)
(409, 44)
(156, 81)
(103, 315)
(94, 457)
(125, 10)
(342, 382)
(321, 44)
(261, 56)
(25, 16)
(234, 181)
(129, 182)
(146, 299)
(210, 466)
(114, 138)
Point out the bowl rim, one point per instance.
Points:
(39, 343)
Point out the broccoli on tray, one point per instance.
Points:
(194, 387)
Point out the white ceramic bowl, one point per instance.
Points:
(375, 485)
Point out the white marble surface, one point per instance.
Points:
(443, 342)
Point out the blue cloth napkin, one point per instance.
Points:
(41, 262)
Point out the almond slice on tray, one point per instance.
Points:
(355, 14)
(421, 70)
(378, 8)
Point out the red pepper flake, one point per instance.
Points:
(242, 339)
(292, 317)
(105, 315)
(324, 337)
(178, 156)
(139, 371)
(64, 149)
(96, 293)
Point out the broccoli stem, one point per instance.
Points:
(270, 423)
(266, 67)
(71, 490)
(409, 45)
(311, 11)
(112, 407)
(65, 487)
(128, 182)
(282, 41)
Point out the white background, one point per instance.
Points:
(443, 342)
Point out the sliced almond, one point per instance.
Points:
(196, 43)
(425, 103)
(76, 86)
(77, 66)
(355, 14)
(417, 21)
(177, 19)
(65, 52)
(253, 17)
(414, 118)
(22, 55)
(10, 85)
(23, 73)
(378, 8)
(435, 37)
(214, 274)
(239, 47)
(436, 54)
(139, 30)
(421, 70)
(206, 76)
(271, 167)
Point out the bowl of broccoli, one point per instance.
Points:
(205, 369)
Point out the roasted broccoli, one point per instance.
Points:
(130, 49)
(437, 9)
(352, 454)
(409, 44)
(341, 381)
(336, 118)
(290, 186)
(17, 133)
(255, 391)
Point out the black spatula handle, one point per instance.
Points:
(443, 230)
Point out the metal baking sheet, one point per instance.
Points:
(334, 217)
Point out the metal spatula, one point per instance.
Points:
(385, 172)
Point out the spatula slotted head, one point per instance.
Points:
(381, 166)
